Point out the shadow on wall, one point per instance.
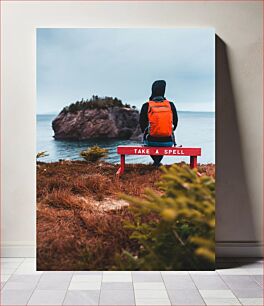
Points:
(234, 217)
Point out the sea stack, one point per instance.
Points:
(97, 118)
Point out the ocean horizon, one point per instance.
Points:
(195, 129)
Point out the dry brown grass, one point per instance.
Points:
(208, 169)
(73, 231)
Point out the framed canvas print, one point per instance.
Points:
(125, 149)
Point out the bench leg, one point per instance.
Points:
(121, 169)
(193, 162)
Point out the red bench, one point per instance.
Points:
(166, 151)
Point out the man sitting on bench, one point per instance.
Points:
(158, 119)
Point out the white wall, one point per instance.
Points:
(239, 106)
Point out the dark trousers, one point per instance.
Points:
(156, 158)
(168, 143)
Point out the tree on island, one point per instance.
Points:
(95, 103)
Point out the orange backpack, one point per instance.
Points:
(160, 118)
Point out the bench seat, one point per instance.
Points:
(166, 151)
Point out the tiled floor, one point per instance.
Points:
(22, 285)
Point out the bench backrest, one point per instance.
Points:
(140, 150)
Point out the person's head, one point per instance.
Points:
(158, 89)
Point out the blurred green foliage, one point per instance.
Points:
(42, 154)
(181, 233)
(94, 154)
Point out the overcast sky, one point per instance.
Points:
(77, 63)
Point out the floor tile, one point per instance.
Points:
(27, 272)
(149, 286)
(54, 281)
(15, 297)
(185, 297)
(88, 273)
(27, 268)
(117, 272)
(24, 278)
(85, 286)
(151, 294)
(222, 301)
(209, 273)
(5, 277)
(255, 271)
(116, 297)
(146, 277)
(248, 293)
(217, 294)
(174, 273)
(178, 282)
(233, 271)
(251, 301)
(222, 287)
(150, 302)
(20, 285)
(58, 272)
(117, 278)
(209, 282)
(240, 282)
(86, 278)
(117, 286)
(258, 279)
(87, 297)
(47, 297)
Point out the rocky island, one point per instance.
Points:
(97, 118)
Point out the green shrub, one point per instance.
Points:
(94, 154)
(94, 103)
(180, 235)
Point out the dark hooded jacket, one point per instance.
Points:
(157, 94)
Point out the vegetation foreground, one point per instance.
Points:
(89, 219)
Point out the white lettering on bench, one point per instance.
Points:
(141, 151)
(165, 152)
(173, 152)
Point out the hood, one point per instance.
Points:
(158, 89)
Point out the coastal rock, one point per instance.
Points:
(105, 123)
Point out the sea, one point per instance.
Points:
(195, 129)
